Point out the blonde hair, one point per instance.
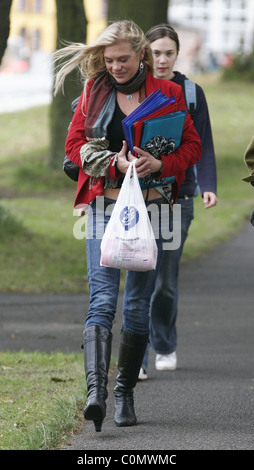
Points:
(90, 59)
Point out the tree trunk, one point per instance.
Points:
(71, 27)
(146, 13)
(5, 8)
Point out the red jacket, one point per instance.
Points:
(187, 154)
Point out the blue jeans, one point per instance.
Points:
(164, 302)
(104, 282)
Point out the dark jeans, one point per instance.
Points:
(164, 302)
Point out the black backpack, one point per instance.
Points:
(70, 168)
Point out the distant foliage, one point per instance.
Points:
(10, 226)
(242, 68)
(146, 13)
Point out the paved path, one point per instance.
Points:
(207, 403)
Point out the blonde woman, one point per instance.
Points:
(117, 70)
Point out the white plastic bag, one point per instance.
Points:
(128, 241)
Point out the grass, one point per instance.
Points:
(38, 404)
(42, 255)
(38, 252)
(232, 117)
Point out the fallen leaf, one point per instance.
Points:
(6, 400)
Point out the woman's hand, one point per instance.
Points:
(145, 163)
(122, 162)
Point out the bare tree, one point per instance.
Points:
(5, 8)
(146, 13)
(71, 27)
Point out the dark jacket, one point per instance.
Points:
(206, 166)
(249, 160)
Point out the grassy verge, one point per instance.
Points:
(40, 399)
(38, 252)
(232, 117)
(43, 255)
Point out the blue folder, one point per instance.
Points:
(152, 103)
(168, 126)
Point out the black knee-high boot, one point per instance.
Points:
(97, 353)
(131, 353)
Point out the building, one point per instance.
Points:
(210, 31)
(223, 27)
(33, 31)
(35, 22)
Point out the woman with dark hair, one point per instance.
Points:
(165, 45)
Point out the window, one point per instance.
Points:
(22, 5)
(23, 33)
(38, 5)
(36, 40)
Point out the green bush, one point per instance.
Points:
(10, 226)
(242, 68)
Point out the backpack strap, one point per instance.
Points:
(190, 95)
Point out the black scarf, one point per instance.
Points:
(133, 84)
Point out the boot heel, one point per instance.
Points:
(95, 413)
(98, 425)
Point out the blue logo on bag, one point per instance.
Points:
(129, 217)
